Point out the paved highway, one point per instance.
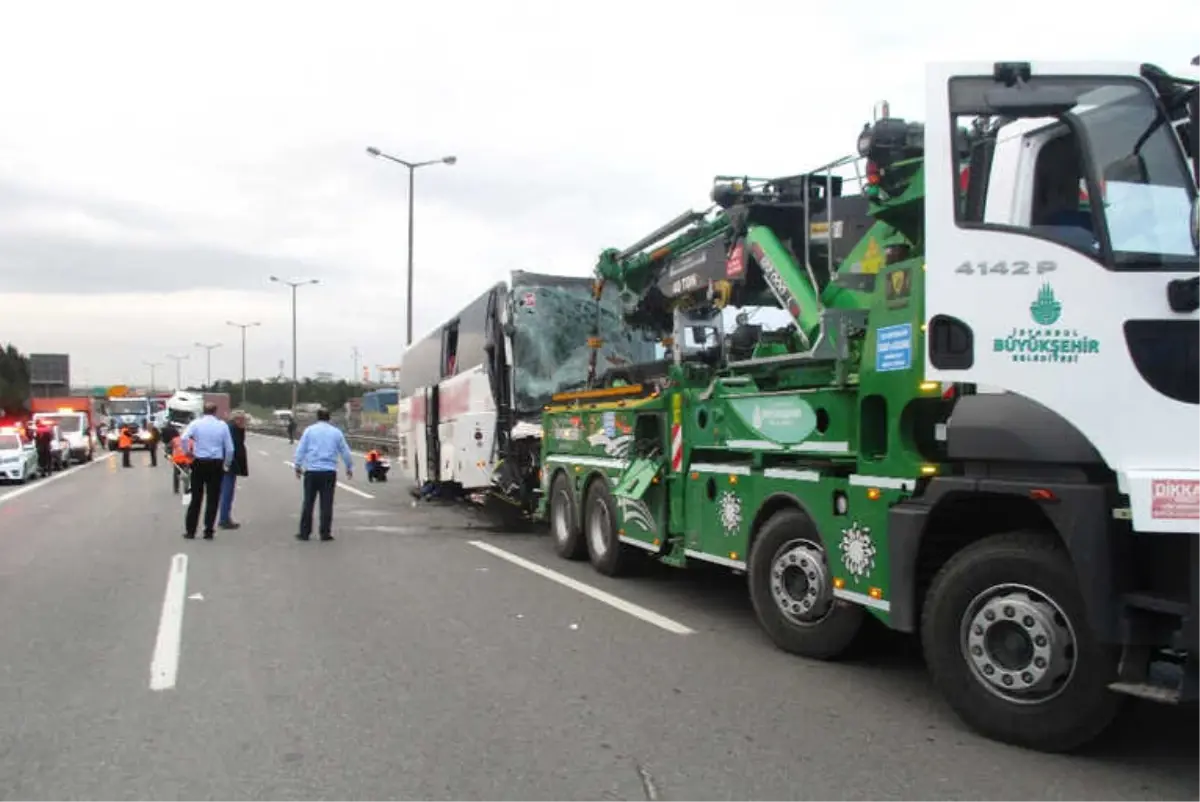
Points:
(423, 655)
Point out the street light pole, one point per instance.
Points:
(243, 327)
(412, 170)
(295, 374)
(152, 366)
(178, 369)
(208, 362)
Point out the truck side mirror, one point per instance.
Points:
(1131, 169)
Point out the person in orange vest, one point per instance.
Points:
(376, 467)
(125, 445)
(181, 462)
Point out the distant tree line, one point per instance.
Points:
(277, 394)
(14, 379)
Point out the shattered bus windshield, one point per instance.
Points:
(552, 323)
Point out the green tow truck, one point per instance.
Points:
(885, 453)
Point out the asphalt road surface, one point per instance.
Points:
(405, 659)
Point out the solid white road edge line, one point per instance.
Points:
(342, 485)
(635, 610)
(165, 664)
(36, 483)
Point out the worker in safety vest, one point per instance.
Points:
(125, 445)
(181, 460)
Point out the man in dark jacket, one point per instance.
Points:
(152, 443)
(239, 467)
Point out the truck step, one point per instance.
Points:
(1164, 676)
(1156, 604)
(1147, 690)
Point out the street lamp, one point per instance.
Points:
(243, 327)
(178, 369)
(294, 285)
(208, 362)
(152, 366)
(412, 169)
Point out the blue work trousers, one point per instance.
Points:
(228, 487)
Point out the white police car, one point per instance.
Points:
(18, 458)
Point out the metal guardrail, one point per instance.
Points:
(358, 442)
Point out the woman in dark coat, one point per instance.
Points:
(239, 467)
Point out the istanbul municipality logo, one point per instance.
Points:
(1046, 341)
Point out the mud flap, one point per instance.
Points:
(640, 525)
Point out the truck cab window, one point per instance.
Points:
(1039, 178)
(1059, 207)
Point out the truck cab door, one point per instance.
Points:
(1065, 286)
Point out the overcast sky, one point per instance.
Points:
(156, 166)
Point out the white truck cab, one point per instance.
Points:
(1073, 275)
(183, 407)
(73, 440)
(18, 458)
(1062, 270)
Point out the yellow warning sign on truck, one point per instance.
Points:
(873, 259)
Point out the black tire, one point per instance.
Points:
(1083, 707)
(564, 523)
(830, 627)
(607, 553)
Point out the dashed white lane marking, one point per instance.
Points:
(635, 610)
(164, 666)
(342, 485)
(264, 453)
(54, 477)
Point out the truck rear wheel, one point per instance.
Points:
(605, 550)
(564, 526)
(1007, 641)
(791, 587)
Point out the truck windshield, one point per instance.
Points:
(552, 324)
(128, 407)
(10, 442)
(67, 424)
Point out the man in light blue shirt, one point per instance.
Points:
(208, 440)
(316, 461)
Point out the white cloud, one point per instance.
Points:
(236, 132)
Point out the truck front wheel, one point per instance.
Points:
(791, 588)
(1007, 641)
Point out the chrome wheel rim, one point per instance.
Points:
(800, 582)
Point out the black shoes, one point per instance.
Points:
(305, 537)
(230, 525)
(189, 535)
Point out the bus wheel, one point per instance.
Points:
(568, 539)
(791, 587)
(600, 525)
(1007, 642)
